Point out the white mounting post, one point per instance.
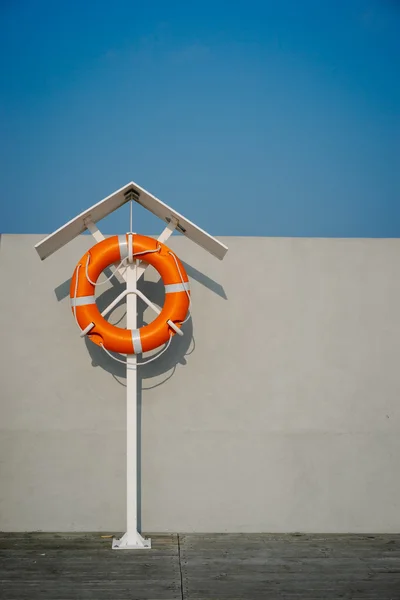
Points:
(132, 540)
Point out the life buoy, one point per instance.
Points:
(116, 249)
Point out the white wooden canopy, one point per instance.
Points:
(130, 191)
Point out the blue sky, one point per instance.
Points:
(250, 118)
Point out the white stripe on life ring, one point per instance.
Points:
(137, 343)
(177, 287)
(123, 246)
(83, 300)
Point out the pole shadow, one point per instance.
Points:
(180, 346)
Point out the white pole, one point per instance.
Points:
(131, 539)
(131, 405)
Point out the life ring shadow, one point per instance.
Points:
(179, 348)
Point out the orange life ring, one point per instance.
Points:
(113, 250)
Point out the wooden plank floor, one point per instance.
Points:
(198, 567)
(290, 567)
(70, 566)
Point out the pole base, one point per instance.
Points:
(131, 541)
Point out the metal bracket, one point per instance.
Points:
(176, 224)
(131, 541)
(132, 194)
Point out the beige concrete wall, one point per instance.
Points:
(281, 414)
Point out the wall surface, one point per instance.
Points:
(278, 411)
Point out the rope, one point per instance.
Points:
(108, 278)
(158, 249)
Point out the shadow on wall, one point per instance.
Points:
(180, 347)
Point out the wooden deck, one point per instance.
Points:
(196, 567)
